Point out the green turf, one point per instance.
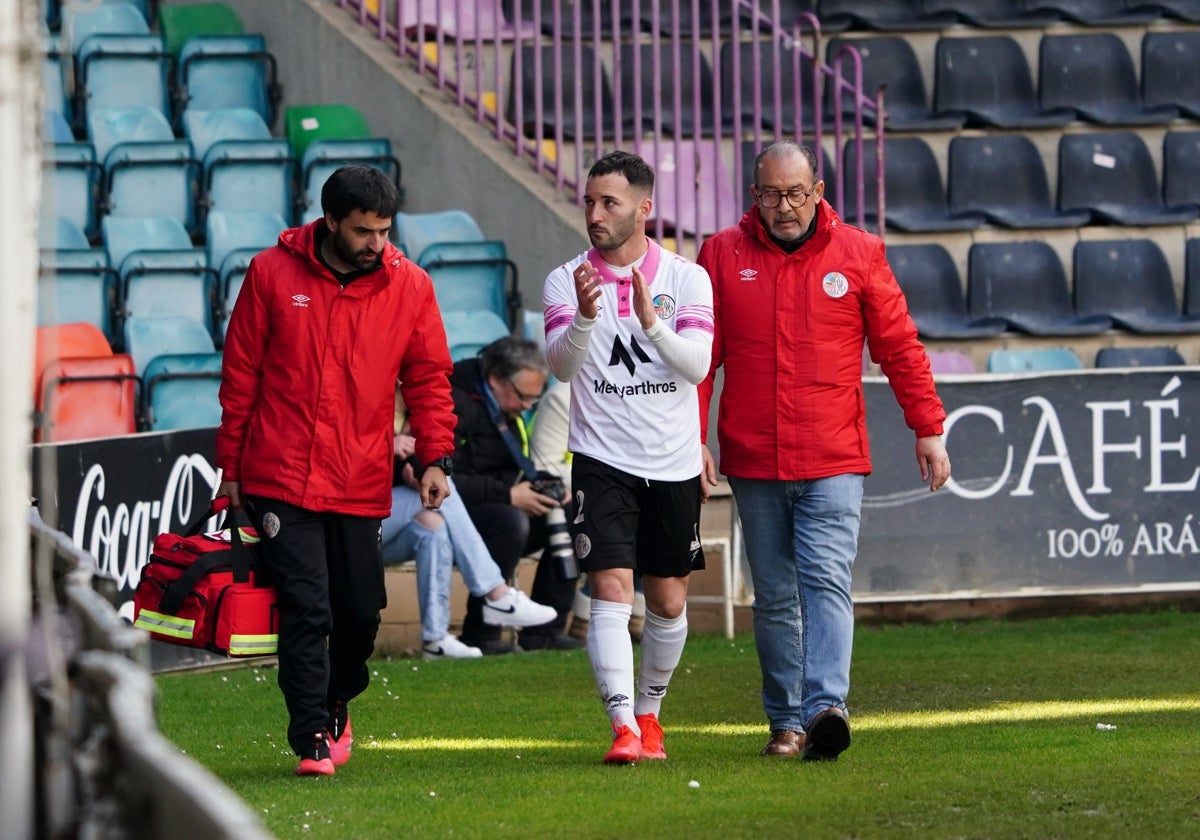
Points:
(978, 730)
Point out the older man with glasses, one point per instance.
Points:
(796, 292)
(508, 500)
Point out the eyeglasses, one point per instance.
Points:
(529, 399)
(796, 196)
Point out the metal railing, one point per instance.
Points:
(561, 87)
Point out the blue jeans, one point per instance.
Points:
(801, 539)
(437, 552)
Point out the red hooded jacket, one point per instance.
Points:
(309, 378)
(789, 332)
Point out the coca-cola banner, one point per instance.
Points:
(113, 496)
(1083, 480)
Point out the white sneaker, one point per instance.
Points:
(450, 648)
(516, 609)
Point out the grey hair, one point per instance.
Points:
(783, 148)
(508, 356)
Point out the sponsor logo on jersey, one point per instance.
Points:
(622, 355)
(301, 300)
(835, 284)
(748, 274)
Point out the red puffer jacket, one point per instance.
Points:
(309, 379)
(789, 332)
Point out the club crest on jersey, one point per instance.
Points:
(271, 525)
(664, 306)
(835, 284)
(583, 545)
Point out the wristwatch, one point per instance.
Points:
(444, 463)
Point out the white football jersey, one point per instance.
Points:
(630, 409)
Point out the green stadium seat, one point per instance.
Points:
(179, 23)
(306, 123)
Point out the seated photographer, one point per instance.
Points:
(439, 540)
(516, 510)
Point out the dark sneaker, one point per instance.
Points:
(828, 735)
(341, 737)
(316, 761)
(626, 747)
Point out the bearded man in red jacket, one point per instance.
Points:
(326, 323)
(796, 291)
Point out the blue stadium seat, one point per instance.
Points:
(473, 275)
(933, 288)
(146, 170)
(244, 168)
(77, 286)
(988, 80)
(124, 235)
(1093, 75)
(1181, 165)
(1112, 176)
(80, 21)
(233, 240)
(323, 157)
(56, 92)
(180, 391)
(977, 165)
(228, 71)
(1171, 70)
(122, 71)
(916, 199)
(469, 331)
(1129, 281)
(414, 232)
(891, 61)
(61, 234)
(1025, 284)
(71, 180)
(1035, 360)
(1110, 357)
(148, 338)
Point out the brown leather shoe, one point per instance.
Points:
(828, 735)
(784, 742)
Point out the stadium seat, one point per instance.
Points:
(243, 167)
(1025, 284)
(1171, 71)
(58, 341)
(61, 234)
(469, 331)
(1093, 75)
(125, 235)
(1129, 281)
(950, 361)
(750, 97)
(122, 71)
(323, 157)
(1003, 178)
(146, 170)
(473, 275)
(916, 199)
(179, 23)
(414, 232)
(1110, 357)
(994, 14)
(889, 15)
(891, 61)
(233, 240)
(228, 71)
(1191, 279)
(56, 128)
(533, 11)
(988, 80)
(1035, 360)
(1112, 176)
(80, 21)
(71, 180)
(684, 94)
(148, 338)
(578, 75)
(930, 281)
(1097, 12)
(306, 123)
(87, 397)
(77, 286)
(56, 91)
(693, 191)
(1181, 163)
(1188, 10)
(180, 391)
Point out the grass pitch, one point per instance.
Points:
(1056, 728)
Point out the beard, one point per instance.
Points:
(614, 235)
(363, 258)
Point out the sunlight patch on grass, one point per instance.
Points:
(424, 744)
(999, 713)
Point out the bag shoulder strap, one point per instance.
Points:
(239, 559)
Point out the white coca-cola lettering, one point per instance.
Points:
(120, 538)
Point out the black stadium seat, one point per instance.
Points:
(1129, 281)
(1109, 357)
(1181, 170)
(1003, 177)
(1025, 284)
(1094, 75)
(933, 289)
(1171, 70)
(988, 80)
(891, 61)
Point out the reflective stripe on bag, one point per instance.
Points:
(246, 644)
(166, 625)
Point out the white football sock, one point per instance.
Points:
(662, 647)
(610, 651)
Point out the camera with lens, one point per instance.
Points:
(558, 537)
